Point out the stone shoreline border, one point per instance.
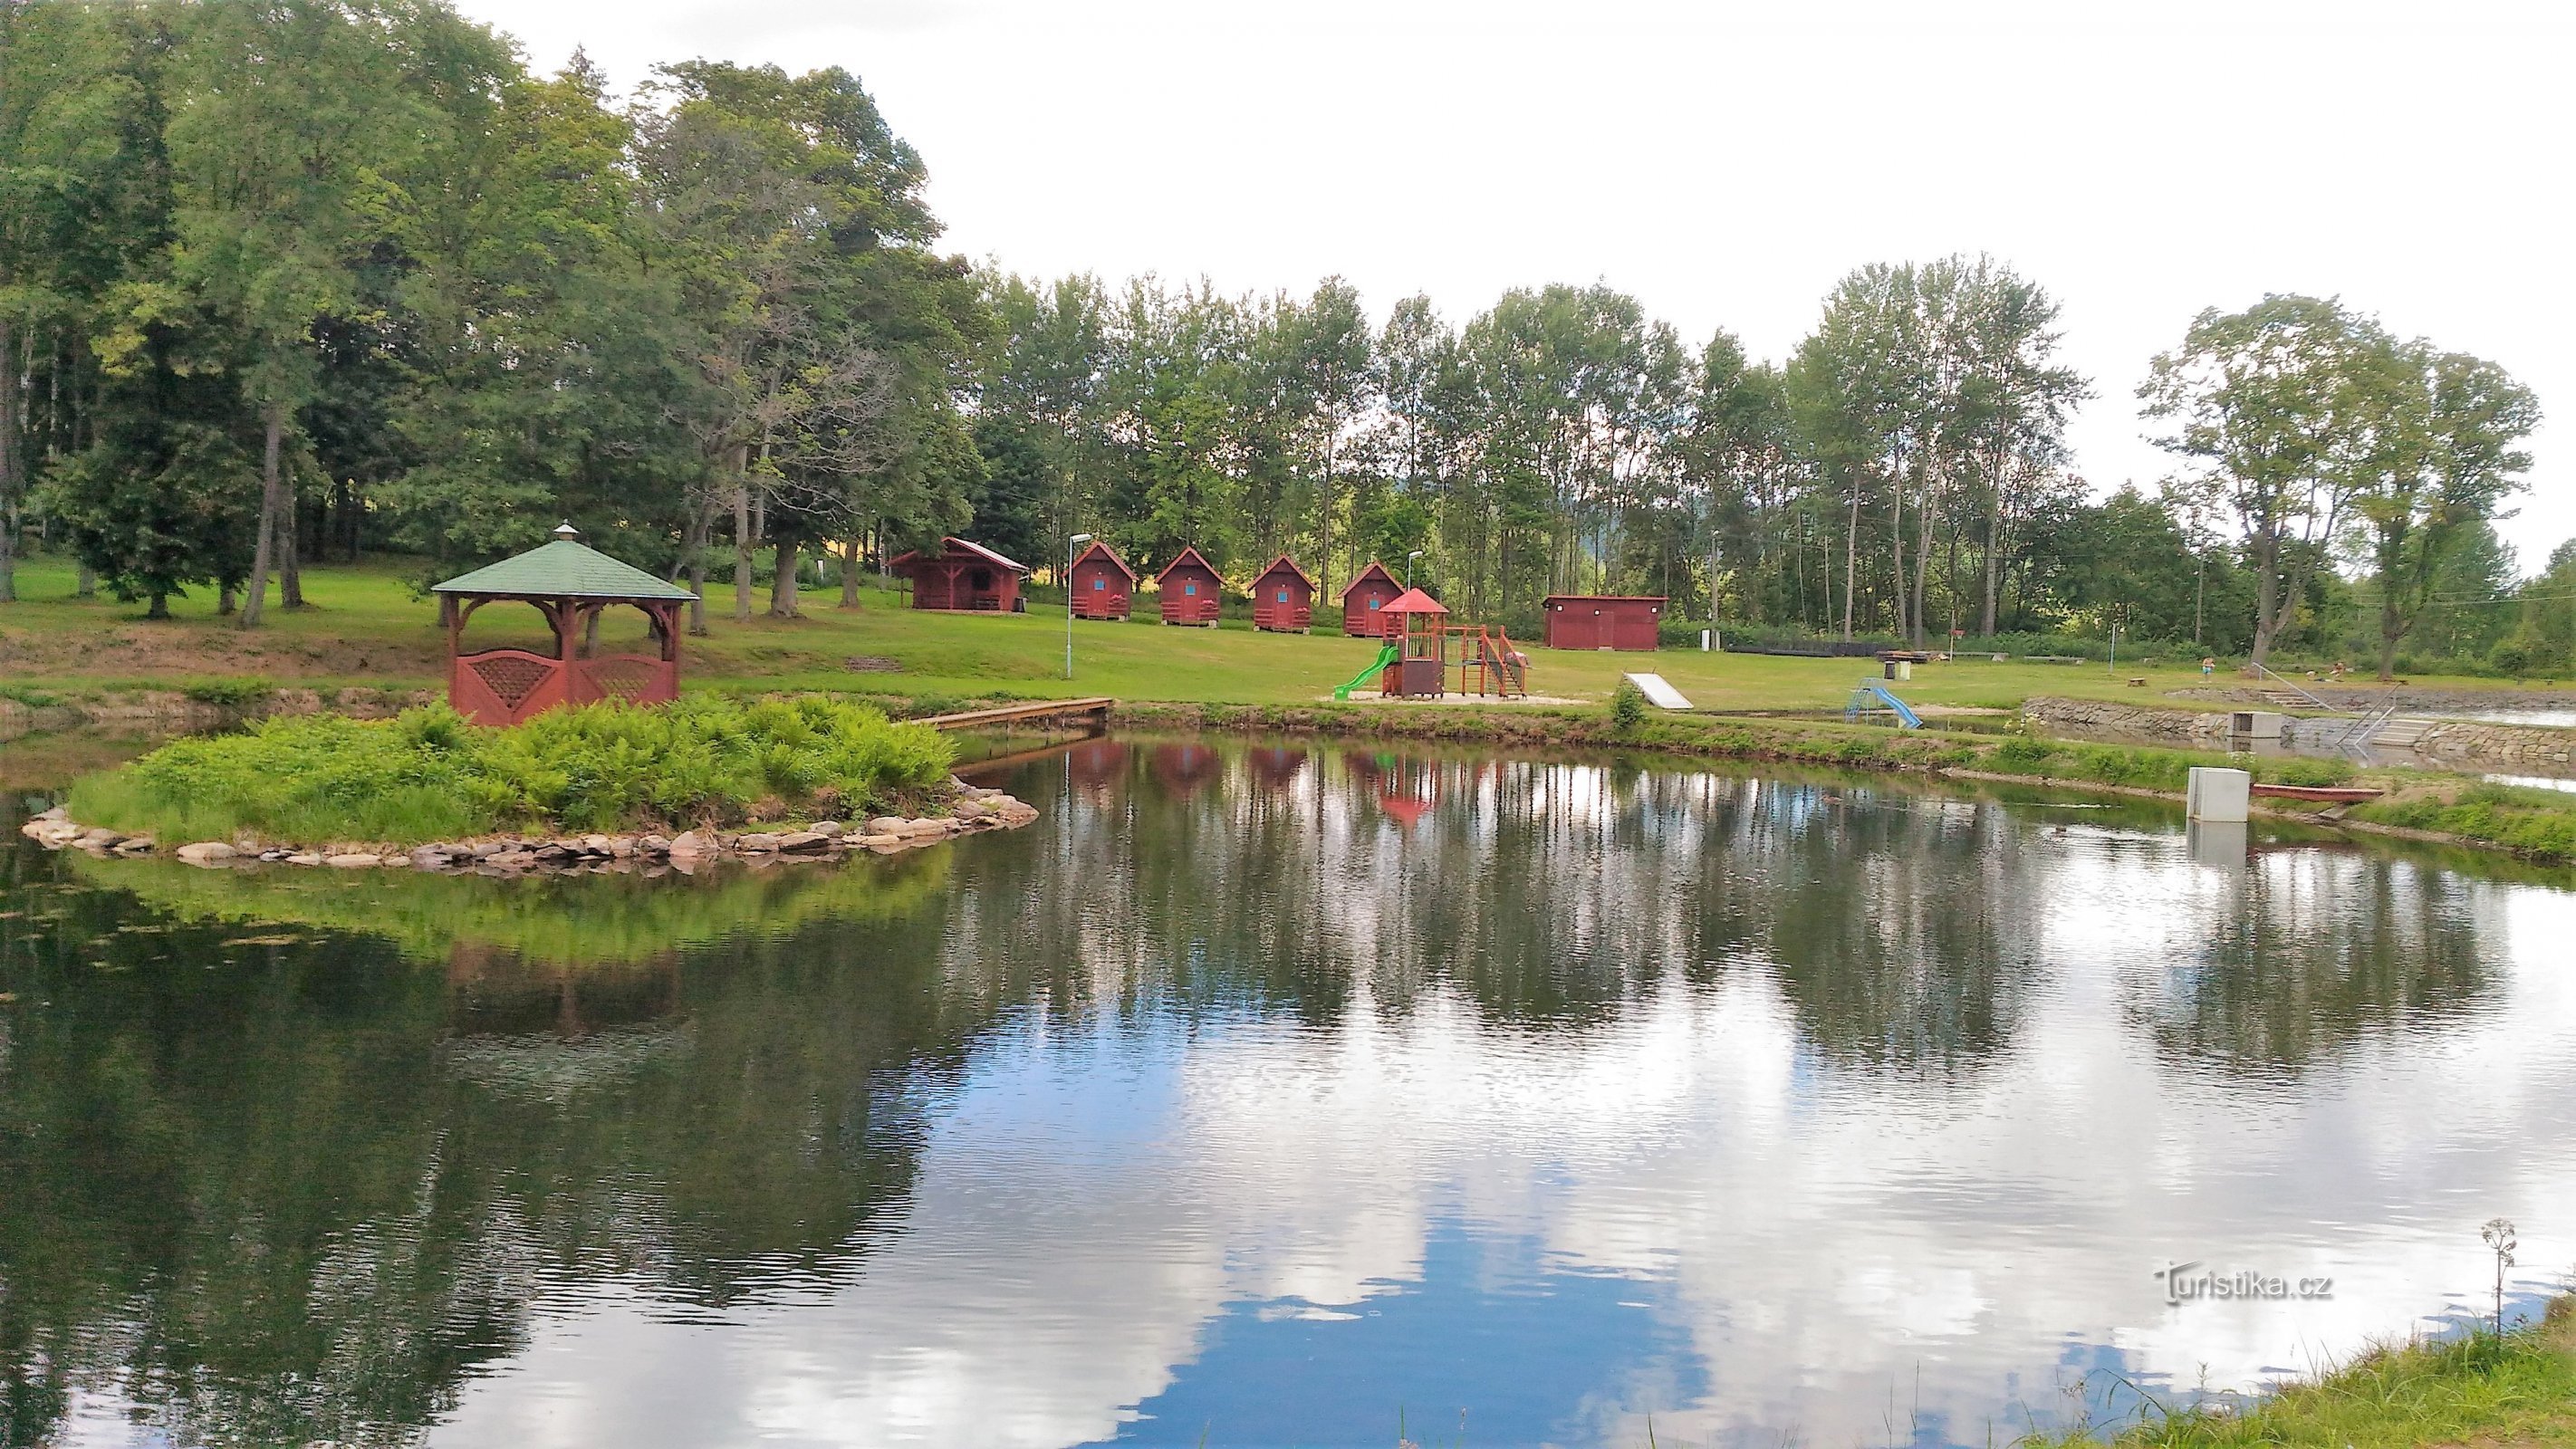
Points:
(973, 810)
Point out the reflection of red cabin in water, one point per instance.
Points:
(1102, 583)
(1094, 766)
(1096, 762)
(1184, 767)
(1364, 597)
(1277, 765)
(1190, 589)
(962, 576)
(1283, 598)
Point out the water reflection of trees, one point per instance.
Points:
(1547, 892)
(286, 1190)
(2307, 951)
(294, 1185)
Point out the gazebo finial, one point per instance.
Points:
(566, 531)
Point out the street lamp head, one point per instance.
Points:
(1417, 553)
(1079, 538)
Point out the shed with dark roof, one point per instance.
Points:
(962, 576)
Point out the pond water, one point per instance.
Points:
(1266, 1094)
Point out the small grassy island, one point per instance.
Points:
(601, 781)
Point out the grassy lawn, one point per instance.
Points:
(2480, 1392)
(364, 627)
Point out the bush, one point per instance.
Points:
(427, 774)
(2511, 658)
(1627, 707)
(228, 693)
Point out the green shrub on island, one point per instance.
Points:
(428, 775)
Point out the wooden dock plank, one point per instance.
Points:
(1026, 710)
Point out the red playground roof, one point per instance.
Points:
(1414, 601)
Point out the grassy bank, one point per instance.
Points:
(365, 628)
(2486, 1391)
(427, 775)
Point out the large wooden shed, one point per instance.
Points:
(963, 576)
(1103, 584)
(1602, 621)
(1364, 601)
(1190, 589)
(1283, 598)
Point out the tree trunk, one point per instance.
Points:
(10, 484)
(700, 525)
(782, 579)
(290, 553)
(741, 545)
(850, 572)
(2267, 597)
(255, 593)
(1851, 556)
(227, 600)
(85, 583)
(159, 608)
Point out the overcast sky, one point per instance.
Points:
(1726, 163)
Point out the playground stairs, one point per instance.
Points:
(1488, 658)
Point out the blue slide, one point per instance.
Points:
(1906, 718)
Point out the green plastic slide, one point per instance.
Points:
(1385, 657)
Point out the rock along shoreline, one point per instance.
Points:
(973, 810)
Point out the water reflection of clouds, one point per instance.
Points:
(1828, 1218)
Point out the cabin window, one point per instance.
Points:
(1099, 584)
(1373, 603)
(1189, 588)
(1283, 596)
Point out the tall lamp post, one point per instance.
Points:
(1408, 569)
(1075, 542)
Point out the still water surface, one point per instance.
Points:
(1268, 1093)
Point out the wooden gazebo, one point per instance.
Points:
(571, 584)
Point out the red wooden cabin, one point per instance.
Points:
(1103, 585)
(1283, 598)
(1190, 589)
(1364, 600)
(962, 576)
(571, 584)
(1602, 621)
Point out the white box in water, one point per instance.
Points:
(2218, 794)
(2219, 843)
(2256, 724)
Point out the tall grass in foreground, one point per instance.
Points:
(427, 774)
(2514, 1388)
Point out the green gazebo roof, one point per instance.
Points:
(562, 569)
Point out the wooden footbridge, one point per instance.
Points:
(1093, 711)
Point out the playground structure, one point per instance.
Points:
(1415, 662)
(1870, 703)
